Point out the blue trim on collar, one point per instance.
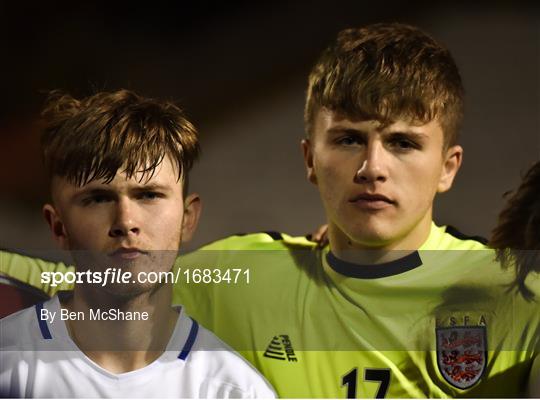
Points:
(190, 340)
(42, 323)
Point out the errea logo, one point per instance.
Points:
(280, 348)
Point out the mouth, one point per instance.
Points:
(127, 253)
(372, 201)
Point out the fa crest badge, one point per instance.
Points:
(462, 354)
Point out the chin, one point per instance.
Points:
(372, 236)
(128, 291)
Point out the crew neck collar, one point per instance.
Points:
(395, 267)
(374, 271)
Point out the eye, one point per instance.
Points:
(404, 144)
(150, 195)
(349, 140)
(96, 199)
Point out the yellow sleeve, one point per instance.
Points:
(28, 270)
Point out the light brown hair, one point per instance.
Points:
(386, 71)
(517, 234)
(92, 138)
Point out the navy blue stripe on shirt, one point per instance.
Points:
(42, 323)
(190, 340)
(374, 271)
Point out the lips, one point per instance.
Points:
(372, 201)
(127, 253)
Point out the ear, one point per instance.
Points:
(56, 226)
(192, 211)
(307, 151)
(452, 162)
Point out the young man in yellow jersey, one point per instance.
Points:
(394, 306)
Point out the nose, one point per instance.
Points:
(124, 221)
(373, 166)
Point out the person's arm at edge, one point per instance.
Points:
(29, 270)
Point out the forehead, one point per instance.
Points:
(164, 177)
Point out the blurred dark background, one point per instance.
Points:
(239, 69)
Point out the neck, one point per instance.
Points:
(358, 251)
(122, 345)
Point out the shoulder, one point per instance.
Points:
(268, 240)
(447, 237)
(464, 241)
(22, 340)
(20, 329)
(222, 366)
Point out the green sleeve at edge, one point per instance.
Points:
(28, 270)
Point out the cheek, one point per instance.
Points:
(333, 171)
(422, 181)
(166, 226)
(170, 229)
(86, 229)
(330, 182)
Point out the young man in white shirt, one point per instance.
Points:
(118, 166)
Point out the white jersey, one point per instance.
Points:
(39, 359)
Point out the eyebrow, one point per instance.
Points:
(90, 192)
(409, 134)
(152, 187)
(106, 190)
(339, 130)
